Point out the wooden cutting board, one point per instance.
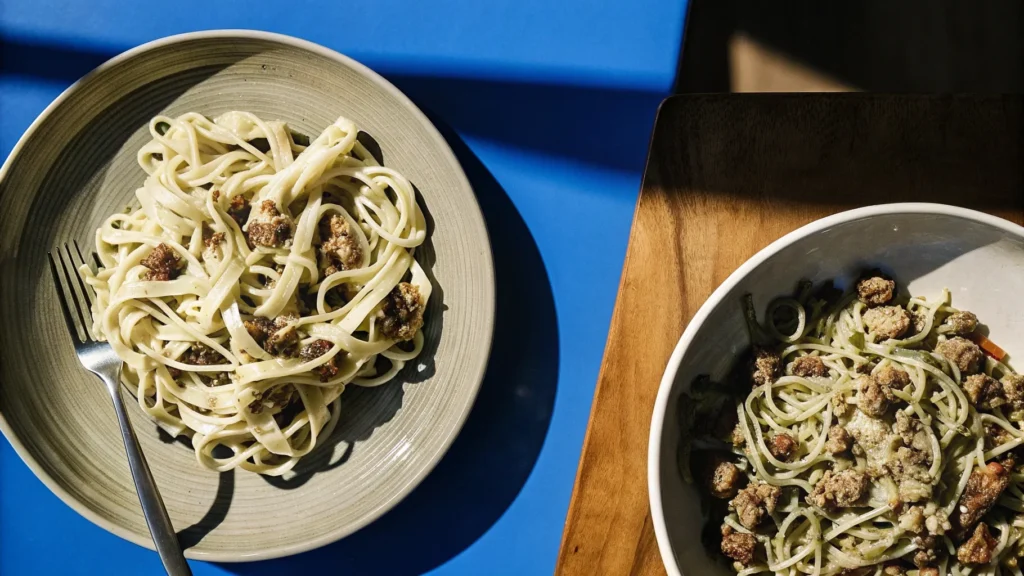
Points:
(727, 175)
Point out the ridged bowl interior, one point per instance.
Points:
(77, 166)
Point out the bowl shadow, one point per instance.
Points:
(490, 461)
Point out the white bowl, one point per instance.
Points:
(925, 247)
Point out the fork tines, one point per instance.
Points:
(66, 277)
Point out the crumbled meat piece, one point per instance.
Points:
(283, 342)
(277, 336)
(736, 437)
(893, 570)
(962, 352)
(737, 545)
(753, 502)
(213, 240)
(978, 549)
(928, 571)
(401, 313)
(984, 487)
(782, 446)
(913, 519)
(840, 406)
(927, 550)
(239, 210)
(808, 366)
(865, 368)
(278, 398)
(839, 440)
(767, 365)
(873, 397)
(893, 377)
(317, 349)
(962, 323)
(875, 291)
(1013, 390)
(202, 355)
(839, 490)
(887, 322)
(270, 228)
(339, 249)
(909, 468)
(259, 328)
(163, 263)
(996, 435)
(984, 392)
(936, 523)
(725, 480)
(174, 372)
(912, 432)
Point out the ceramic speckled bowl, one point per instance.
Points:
(925, 247)
(76, 165)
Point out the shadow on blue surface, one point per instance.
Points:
(491, 460)
(597, 126)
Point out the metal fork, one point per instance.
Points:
(100, 359)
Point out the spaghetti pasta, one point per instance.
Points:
(870, 437)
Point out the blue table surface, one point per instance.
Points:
(549, 106)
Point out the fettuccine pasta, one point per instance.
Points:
(258, 275)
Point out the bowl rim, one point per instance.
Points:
(489, 298)
(716, 297)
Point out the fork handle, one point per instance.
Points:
(149, 496)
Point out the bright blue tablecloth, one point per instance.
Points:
(549, 106)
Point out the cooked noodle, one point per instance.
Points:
(956, 437)
(243, 331)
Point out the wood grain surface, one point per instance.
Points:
(726, 176)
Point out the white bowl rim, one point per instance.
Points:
(442, 144)
(667, 379)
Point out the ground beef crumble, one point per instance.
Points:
(984, 487)
(887, 321)
(239, 210)
(767, 365)
(809, 366)
(725, 480)
(963, 353)
(984, 392)
(962, 323)
(839, 489)
(754, 502)
(270, 228)
(339, 249)
(278, 398)
(738, 546)
(202, 355)
(875, 291)
(978, 548)
(277, 336)
(892, 377)
(873, 397)
(316, 349)
(839, 440)
(783, 446)
(163, 263)
(401, 312)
